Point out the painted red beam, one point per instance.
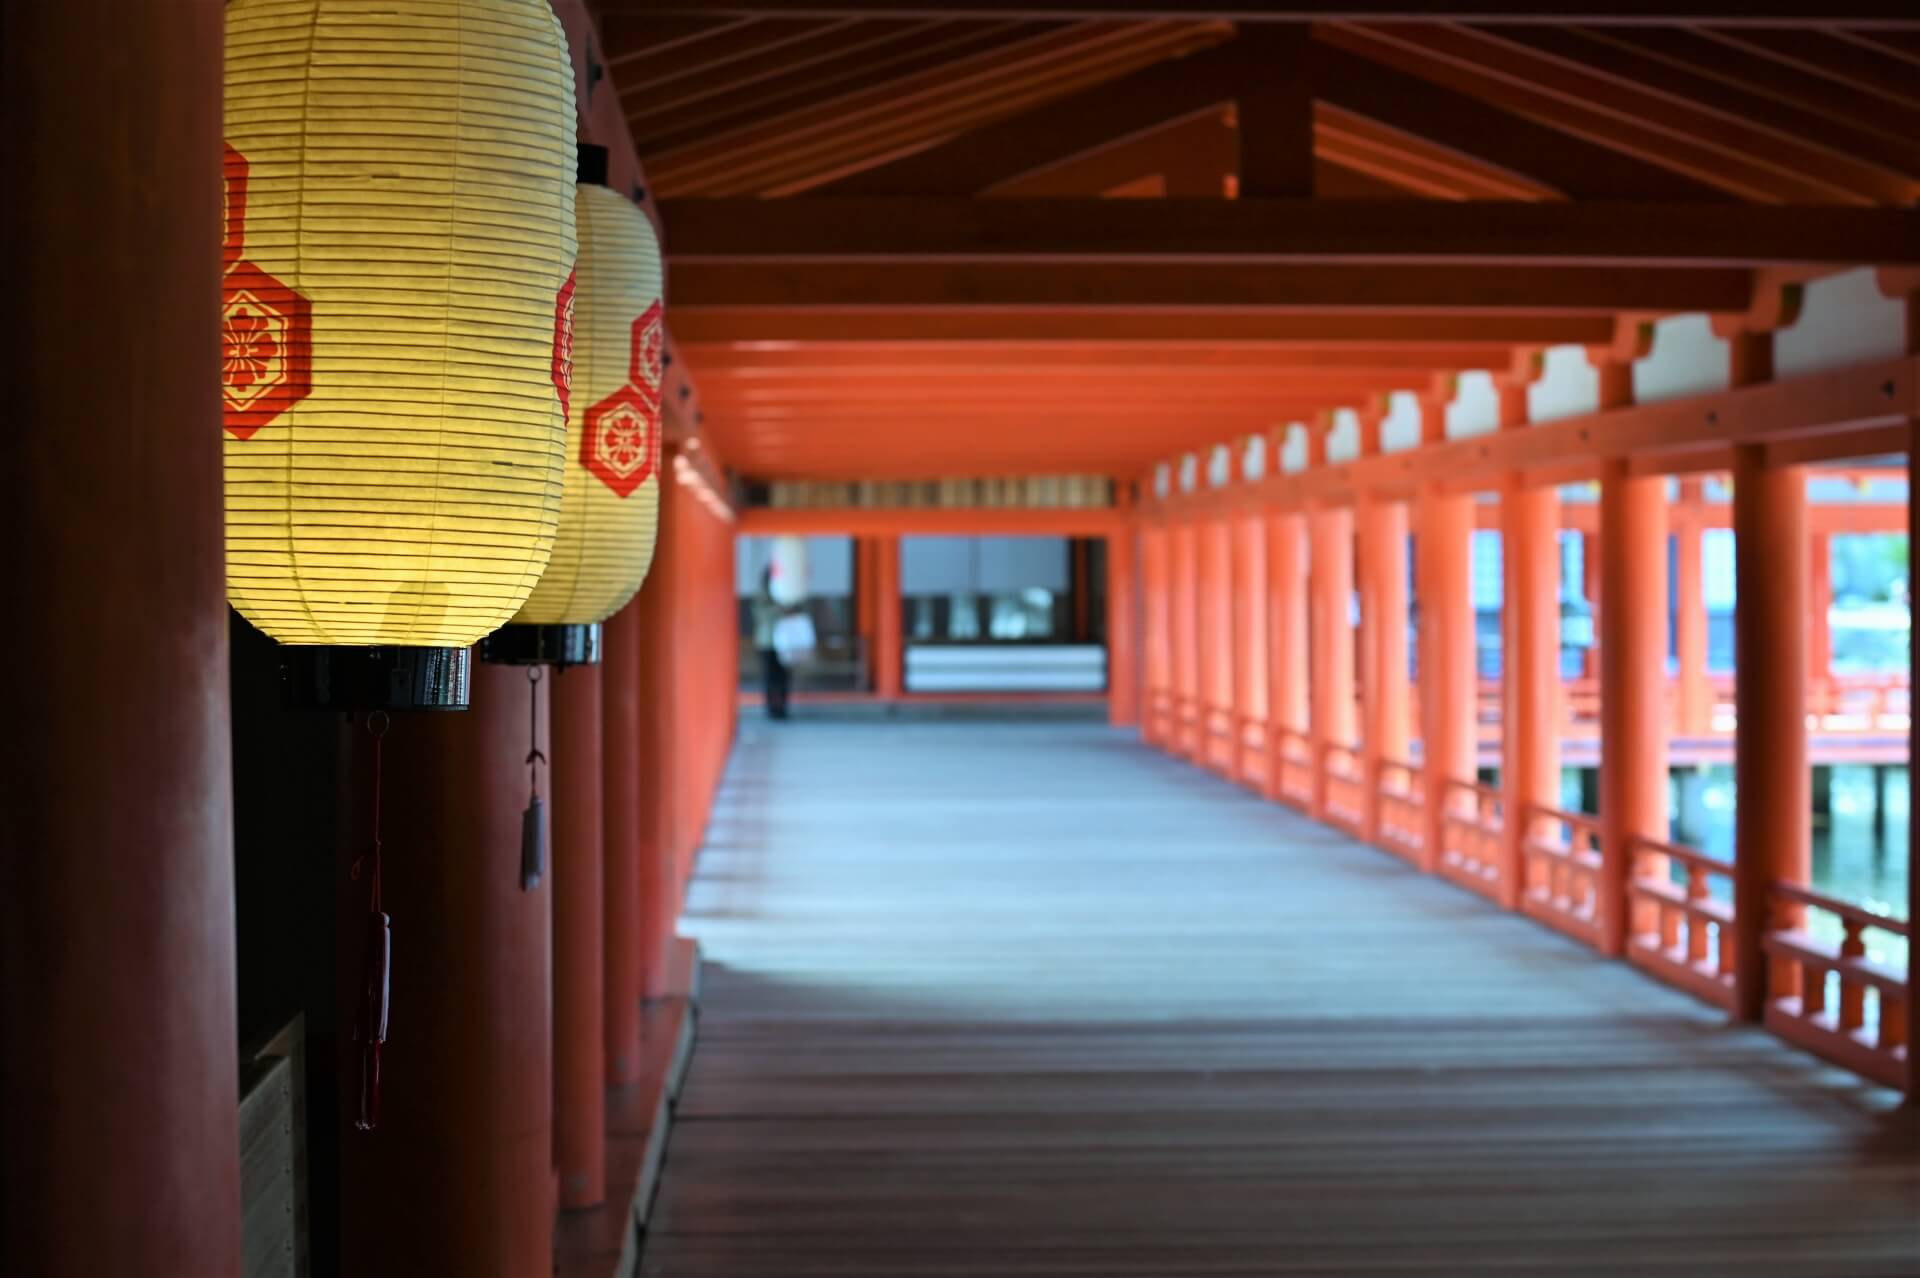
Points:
(1117, 324)
(1403, 233)
(1868, 404)
(883, 522)
(1885, 14)
(1194, 286)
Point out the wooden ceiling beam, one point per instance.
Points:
(793, 152)
(1204, 285)
(1831, 56)
(1093, 118)
(1624, 233)
(859, 67)
(984, 324)
(1194, 157)
(1608, 70)
(626, 36)
(1489, 135)
(1414, 164)
(1884, 14)
(1724, 57)
(650, 99)
(1469, 67)
(651, 69)
(749, 363)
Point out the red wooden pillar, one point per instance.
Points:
(1331, 587)
(1123, 708)
(1449, 673)
(117, 1029)
(1772, 824)
(1218, 697)
(1694, 695)
(1157, 609)
(1288, 677)
(1633, 678)
(579, 954)
(1819, 605)
(1530, 652)
(621, 843)
(1184, 599)
(889, 654)
(1773, 828)
(662, 754)
(1252, 646)
(458, 1176)
(1383, 644)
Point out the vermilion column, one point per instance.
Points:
(1530, 757)
(1288, 677)
(889, 654)
(1332, 656)
(1184, 598)
(1633, 676)
(1156, 598)
(1123, 709)
(1772, 826)
(1251, 643)
(458, 1177)
(1694, 697)
(1449, 674)
(661, 754)
(579, 955)
(1383, 644)
(1819, 602)
(118, 1060)
(621, 842)
(1218, 698)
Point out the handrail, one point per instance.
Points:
(1561, 874)
(1802, 966)
(1680, 933)
(1857, 915)
(1471, 833)
(1400, 800)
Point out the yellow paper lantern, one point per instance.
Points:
(399, 247)
(611, 508)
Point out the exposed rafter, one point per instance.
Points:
(1891, 14)
(1646, 234)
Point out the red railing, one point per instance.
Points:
(1681, 932)
(1187, 739)
(1218, 738)
(1160, 716)
(1863, 1025)
(1472, 825)
(1399, 792)
(1562, 864)
(1296, 768)
(1346, 787)
(1860, 703)
(1251, 757)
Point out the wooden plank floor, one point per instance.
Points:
(1030, 999)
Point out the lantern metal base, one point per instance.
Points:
(563, 646)
(367, 679)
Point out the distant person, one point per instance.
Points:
(776, 677)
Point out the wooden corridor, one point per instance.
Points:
(1028, 999)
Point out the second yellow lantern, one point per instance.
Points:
(610, 509)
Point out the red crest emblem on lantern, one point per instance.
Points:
(563, 345)
(266, 328)
(620, 444)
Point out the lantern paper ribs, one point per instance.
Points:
(399, 232)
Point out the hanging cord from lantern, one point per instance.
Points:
(533, 825)
(534, 757)
(376, 984)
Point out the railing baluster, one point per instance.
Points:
(1853, 995)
